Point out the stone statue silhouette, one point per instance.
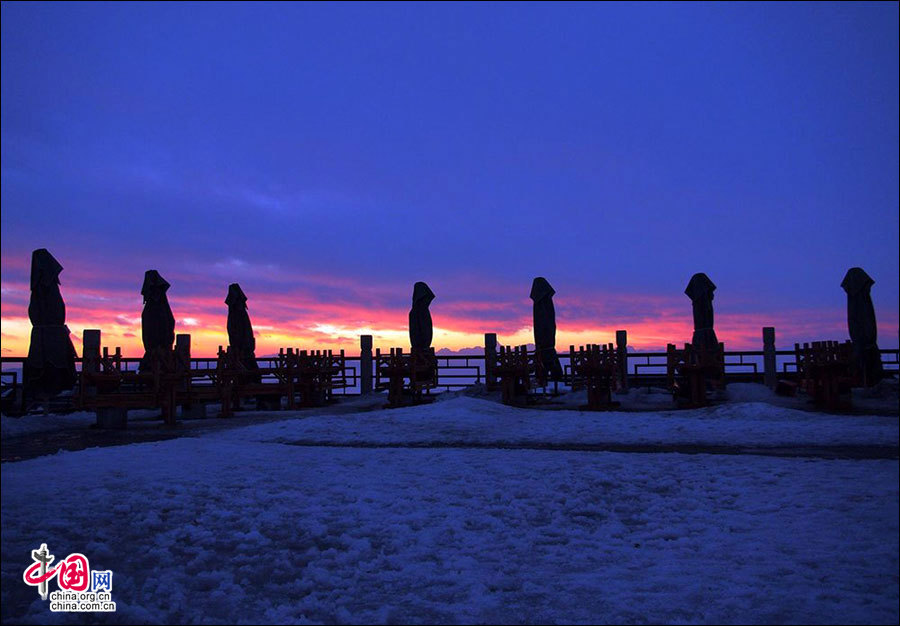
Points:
(700, 290)
(157, 320)
(544, 318)
(862, 326)
(240, 331)
(420, 325)
(50, 365)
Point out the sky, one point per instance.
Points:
(328, 156)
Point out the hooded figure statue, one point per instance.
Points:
(157, 321)
(700, 290)
(240, 331)
(420, 326)
(545, 326)
(50, 366)
(862, 326)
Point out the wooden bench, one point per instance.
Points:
(514, 369)
(824, 372)
(236, 382)
(315, 374)
(595, 367)
(392, 371)
(106, 384)
(692, 370)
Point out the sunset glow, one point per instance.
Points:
(294, 318)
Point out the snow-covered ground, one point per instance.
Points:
(461, 420)
(39, 423)
(30, 424)
(244, 525)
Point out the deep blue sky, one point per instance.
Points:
(356, 148)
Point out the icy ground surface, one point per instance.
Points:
(242, 525)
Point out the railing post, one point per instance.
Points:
(183, 346)
(90, 361)
(671, 362)
(90, 351)
(107, 417)
(170, 402)
(769, 367)
(490, 359)
(189, 410)
(622, 350)
(365, 364)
